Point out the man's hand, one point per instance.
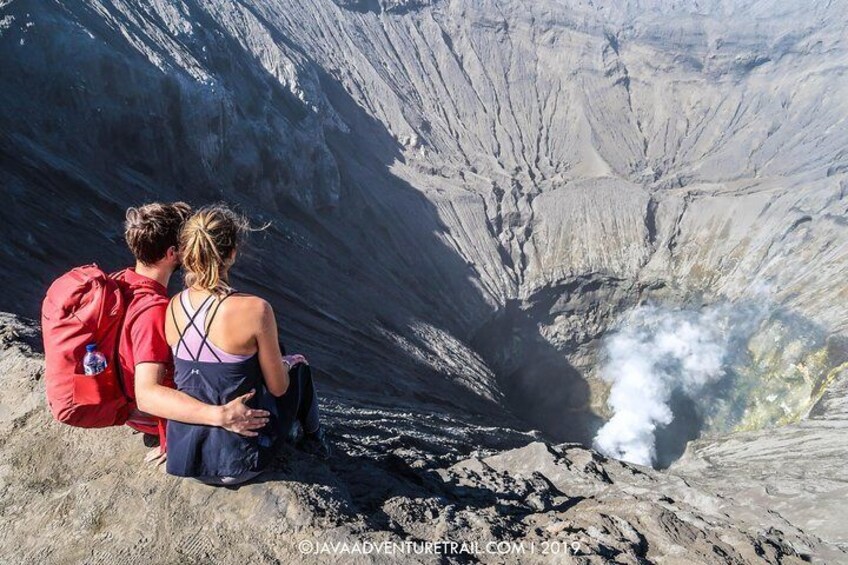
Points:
(238, 417)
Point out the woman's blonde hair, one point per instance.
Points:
(207, 242)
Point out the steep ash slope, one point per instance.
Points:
(643, 143)
(445, 159)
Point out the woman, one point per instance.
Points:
(225, 345)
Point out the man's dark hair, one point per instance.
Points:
(151, 229)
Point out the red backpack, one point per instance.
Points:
(84, 306)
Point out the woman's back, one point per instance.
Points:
(234, 332)
(214, 373)
(243, 325)
(226, 346)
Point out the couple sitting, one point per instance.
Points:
(198, 359)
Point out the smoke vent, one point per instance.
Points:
(585, 363)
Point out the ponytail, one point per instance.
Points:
(207, 243)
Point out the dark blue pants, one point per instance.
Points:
(299, 403)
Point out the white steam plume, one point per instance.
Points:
(655, 353)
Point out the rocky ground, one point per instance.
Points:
(401, 475)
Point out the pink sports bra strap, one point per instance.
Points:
(194, 339)
(208, 325)
(191, 317)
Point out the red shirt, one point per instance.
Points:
(143, 336)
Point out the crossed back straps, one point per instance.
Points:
(192, 322)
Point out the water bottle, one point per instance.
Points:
(94, 362)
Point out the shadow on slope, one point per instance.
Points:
(94, 127)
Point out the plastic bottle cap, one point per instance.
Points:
(91, 347)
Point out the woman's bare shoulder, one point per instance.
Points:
(248, 304)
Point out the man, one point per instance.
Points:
(147, 366)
